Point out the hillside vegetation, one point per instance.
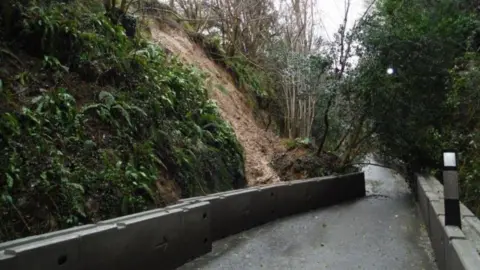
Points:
(297, 83)
(95, 124)
(235, 106)
(108, 109)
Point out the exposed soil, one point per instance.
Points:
(260, 145)
(301, 163)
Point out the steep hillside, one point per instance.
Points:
(96, 124)
(260, 145)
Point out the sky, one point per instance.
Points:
(332, 12)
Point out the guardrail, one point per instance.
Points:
(455, 248)
(169, 237)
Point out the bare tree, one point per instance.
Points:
(302, 81)
(254, 27)
(342, 53)
(300, 91)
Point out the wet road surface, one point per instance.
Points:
(381, 231)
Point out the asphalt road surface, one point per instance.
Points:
(381, 231)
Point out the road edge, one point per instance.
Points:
(454, 248)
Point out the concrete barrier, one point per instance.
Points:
(165, 238)
(240, 210)
(169, 237)
(454, 248)
(461, 255)
(318, 192)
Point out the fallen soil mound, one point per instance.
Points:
(301, 163)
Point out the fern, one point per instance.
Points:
(154, 118)
(107, 98)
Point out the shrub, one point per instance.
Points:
(81, 152)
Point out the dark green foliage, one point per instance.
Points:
(128, 22)
(430, 103)
(96, 149)
(249, 77)
(211, 46)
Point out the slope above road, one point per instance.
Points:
(260, 145)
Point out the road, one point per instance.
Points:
(381, 231)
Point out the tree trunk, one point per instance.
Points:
(123, 5)
(325, 119)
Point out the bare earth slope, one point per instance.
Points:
(259, 145)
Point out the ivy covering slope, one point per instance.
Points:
(92, 123)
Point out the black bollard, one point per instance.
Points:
(450, 189)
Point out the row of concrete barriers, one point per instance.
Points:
(454, 248)
(169, 237)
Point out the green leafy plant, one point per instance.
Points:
(98, 147)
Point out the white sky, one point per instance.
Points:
(332, 11)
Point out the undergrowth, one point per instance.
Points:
(92, 122)
(297, 143)
(246, 75)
